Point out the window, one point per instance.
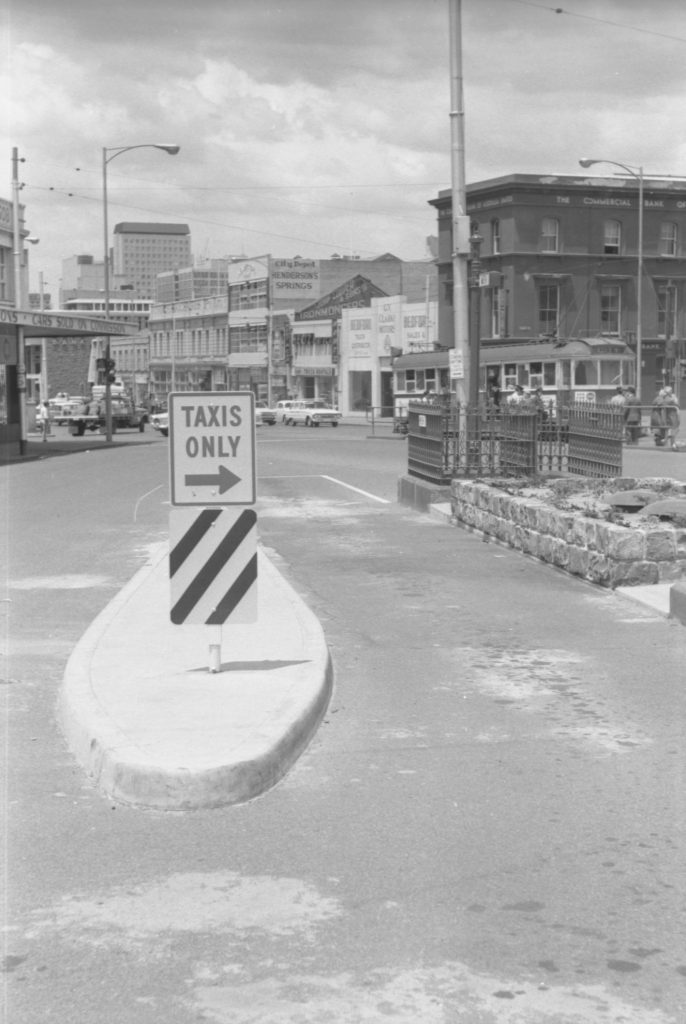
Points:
(585, 373)
(550, 229)
(612, 237)
(509, 376)
(610, 302)
(668, 239)
(540, 375)
(496, 297)
(548, 308)
(666, 310)
(495, 237)
(610, 372)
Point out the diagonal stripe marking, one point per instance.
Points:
(234, 594)
(202, 580)
(192, 537)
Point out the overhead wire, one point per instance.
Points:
(600, 21)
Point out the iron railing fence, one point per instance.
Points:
(446, 440)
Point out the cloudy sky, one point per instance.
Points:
(309, 127)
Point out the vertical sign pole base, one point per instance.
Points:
(216, 652)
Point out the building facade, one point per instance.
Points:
(284, 317)
(207, 277)
(142, 251)
(559, 258)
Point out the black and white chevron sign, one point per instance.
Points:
(213, 565)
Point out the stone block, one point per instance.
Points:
(668, 571)
(599, 569)
(621, 543)
(560, 553)
(660, 544)
(578, 560)
(632, 574)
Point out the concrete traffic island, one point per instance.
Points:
(154, 728)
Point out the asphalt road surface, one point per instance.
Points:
(488, 827)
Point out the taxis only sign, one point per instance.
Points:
(212, 448)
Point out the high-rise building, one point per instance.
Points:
(207, 277)
(142, 251)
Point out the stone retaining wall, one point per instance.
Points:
(602, 552)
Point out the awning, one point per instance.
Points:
(47, 324)
(420, 360)
(314, 327)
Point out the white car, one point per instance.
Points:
(263, 414)
(160, 421)
(282, 408)
(312, 413)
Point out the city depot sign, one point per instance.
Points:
(212, 448)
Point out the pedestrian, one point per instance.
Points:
(493, 390)
(538, 403)
(632, 416)
(516, 397)
(658, 423)
(672, 418)
(618, 400)
(43, 419)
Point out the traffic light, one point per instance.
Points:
(109, 370)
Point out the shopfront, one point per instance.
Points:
(18, 326)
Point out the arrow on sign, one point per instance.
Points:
(224, 479)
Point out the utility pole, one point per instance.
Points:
(460, 220)
(18, 290)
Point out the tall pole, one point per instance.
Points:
(18, 288)
(115, 151)
(639, 289)
(43, 345)
(106, 268)
(635, 172)
(460, 220)
(172, 350)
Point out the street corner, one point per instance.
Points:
(154, 728)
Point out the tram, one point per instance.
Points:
(583, 369)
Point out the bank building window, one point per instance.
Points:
(495, 237)
(668, 239)
(610, 304)
(612, 237)
(550, 230)
(666, 311)
(548, 309)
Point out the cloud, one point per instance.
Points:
(320, 125)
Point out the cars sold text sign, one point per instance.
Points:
(212, 448)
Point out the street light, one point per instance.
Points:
(637, 173)
(114, 152)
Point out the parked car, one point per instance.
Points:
(312, 413)
(63, 406)
(282, 409)
(160, 421)
(263, 414)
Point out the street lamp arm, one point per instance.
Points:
(635, 172)
(118, 150)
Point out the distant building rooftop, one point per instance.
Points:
(135, 228)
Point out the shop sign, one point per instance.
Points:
(295, 279)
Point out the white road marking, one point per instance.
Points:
(374, 497)
(142, 498)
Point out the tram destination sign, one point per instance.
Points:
(212, 448)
